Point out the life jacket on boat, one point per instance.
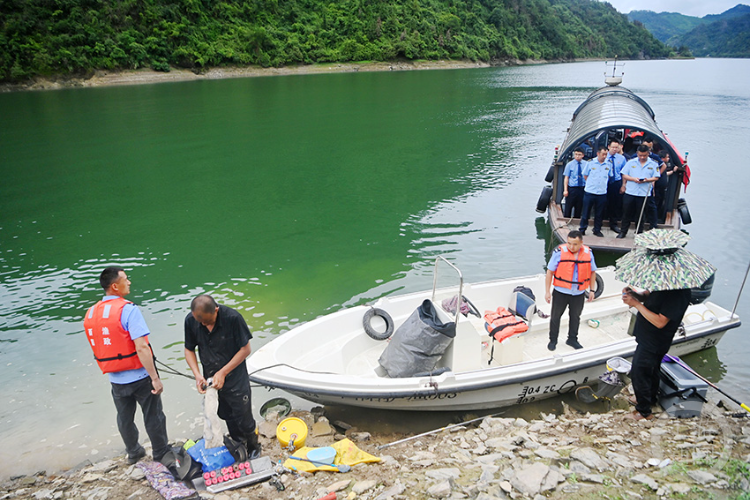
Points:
(501, 324)
(113, 348)
(563, 276)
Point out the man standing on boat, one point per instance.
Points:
(614, 184)
(223, 340)
(659, 316)
(118, 335)
(572, 270)
(639, 174)
(596, 173)
(573, 184)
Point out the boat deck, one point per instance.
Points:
(528, 346)
(614, 323)
(561, 226)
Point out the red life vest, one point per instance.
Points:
(502, 324)
(564, 272)
(113, 348)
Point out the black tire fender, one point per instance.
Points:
(543, 203)
(374, 334)
(599, 287)
(550, 174)
(684, 213)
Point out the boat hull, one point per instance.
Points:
(492, 393)
(331, 361)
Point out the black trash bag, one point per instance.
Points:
(418, 344)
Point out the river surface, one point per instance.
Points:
(292, 197)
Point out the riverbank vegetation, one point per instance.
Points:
(67, 37)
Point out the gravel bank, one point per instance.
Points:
(569, 456)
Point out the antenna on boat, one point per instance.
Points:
(613, 80)
(740, 292)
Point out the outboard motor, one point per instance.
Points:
(703, 292)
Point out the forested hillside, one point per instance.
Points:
(47, 37)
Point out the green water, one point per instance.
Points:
(291, 197)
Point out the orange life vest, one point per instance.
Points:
(502, 324)
(113, 348)
(564, 272)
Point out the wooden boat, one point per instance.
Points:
(332, 360)
(607, 113)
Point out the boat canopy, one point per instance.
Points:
(609, 109)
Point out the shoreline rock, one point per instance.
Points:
(105, 78)
(570, 456)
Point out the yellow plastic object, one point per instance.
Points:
(347, 453)
(292, 430)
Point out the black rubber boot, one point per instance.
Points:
(253, 447)
(237, 449)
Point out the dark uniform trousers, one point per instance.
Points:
(235, 408)
(126, 396)
(574, 303)
(645, 375)
(574, 202)
(614, 203)
(631, 212)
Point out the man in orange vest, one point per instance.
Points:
(572, 269)
(118, 335)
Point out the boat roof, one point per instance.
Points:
(612, 108)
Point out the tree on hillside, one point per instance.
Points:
(79, 36)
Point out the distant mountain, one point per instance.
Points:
(717, 35)
(665, 25)
(736, 11)
(725, 38)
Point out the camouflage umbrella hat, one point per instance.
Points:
(663, 269)
(661, 239)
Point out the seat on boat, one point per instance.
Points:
(506, 326)
(522, 305)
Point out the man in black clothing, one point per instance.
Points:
(223, 341)
(659, 316)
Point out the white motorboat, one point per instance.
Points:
(332, 360)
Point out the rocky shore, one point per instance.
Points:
(102, 78)
(568, 456)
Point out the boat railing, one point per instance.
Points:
(460, 284)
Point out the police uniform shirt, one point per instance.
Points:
(217, 347)
(597, 176)
(634, 168)
(617, 161)
(571, 172)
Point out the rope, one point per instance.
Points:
(175, 372)
(172, 370)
